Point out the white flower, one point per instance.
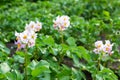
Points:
(31, 43)
(99, 45)
(28, 37)
(25, 36)
(20, 45)
(32, 39)
(32, 26)
(96, 51)
(4, 67)
(61, 23)
(33, 35)
(38, 26)
(108, 47)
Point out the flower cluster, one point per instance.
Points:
(32, 26)
(28, 37)
(61, 23)
(100, 47)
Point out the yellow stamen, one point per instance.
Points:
(99, 46)
(24, 37)
(64, 19)
(107, 49)
(17, 38)
(18, 45)
(65, 24)
(32, 26)
(33, 36)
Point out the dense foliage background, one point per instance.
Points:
(91, 20)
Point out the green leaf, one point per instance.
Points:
(84, 53)
(6, 50)
(106, 13)
(71, 41)
(43, 63)
(81, 52)
(21, 53)
(33, 64)
(39, 70)
(64, 74)
(19, 76)
(64, 47)
(77, 74)
(2, 45)
(106, 74)
(54, 51)
(41, 67)
(48, 40)
(19, 58)
(11, 76)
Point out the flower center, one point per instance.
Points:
(65, 24)
(33, 36)
(107, 49)
(99, 45)
(64, 19)
(25, 36)
(32, 26)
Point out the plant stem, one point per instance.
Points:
(62, 37)
(61, 55)
(26, 64)
(98, 63)
(35, 54)
(99, 60)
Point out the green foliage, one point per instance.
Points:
(50, 59)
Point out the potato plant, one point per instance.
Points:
(59, 40)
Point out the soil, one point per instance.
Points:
(12, 48)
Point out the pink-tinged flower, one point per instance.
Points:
(108, 47)
(105, 48)
(32, 39)
(31, 43)
(32, 35)
(38, 26)
(32, 26)
(96, 51)
(61, 23)
(20, 45)
(25, 38)
(99, 45)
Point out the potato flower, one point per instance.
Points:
(25, 38)
(105, 48)
(28, 37)
(108, 47)
(99, 47)
(61, 23)
(32, 26)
